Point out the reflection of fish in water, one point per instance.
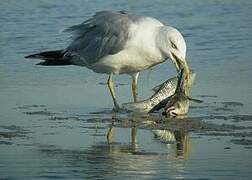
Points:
(180, 138)
(159, 99)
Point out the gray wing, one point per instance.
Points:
(103, 34)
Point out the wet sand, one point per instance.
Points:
(105, 145)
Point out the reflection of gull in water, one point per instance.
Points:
(178, 138)
(114, 42)
(119, 159)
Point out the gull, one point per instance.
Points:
(118, 42)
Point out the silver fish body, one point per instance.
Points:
(162, 92)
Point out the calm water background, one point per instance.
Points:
(219, 40)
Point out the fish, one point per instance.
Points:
(178, 103)
(159, 99)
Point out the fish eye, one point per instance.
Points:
(173, 45)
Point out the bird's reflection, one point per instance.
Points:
(150, 153)
(180, 138)
(134, 145)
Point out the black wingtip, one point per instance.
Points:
(29, 56)
(51, 58)
(32, 56)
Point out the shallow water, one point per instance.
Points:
(53, 126)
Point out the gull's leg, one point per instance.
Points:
(112, 92)
(134, 86)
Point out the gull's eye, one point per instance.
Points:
(173, 45)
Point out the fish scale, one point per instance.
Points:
(162, 92)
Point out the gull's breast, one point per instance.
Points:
(139, 53)
(127, 61)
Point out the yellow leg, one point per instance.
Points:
(134, 86)
(112, 92)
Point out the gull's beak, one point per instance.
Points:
(180, 64)
(175, 60)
